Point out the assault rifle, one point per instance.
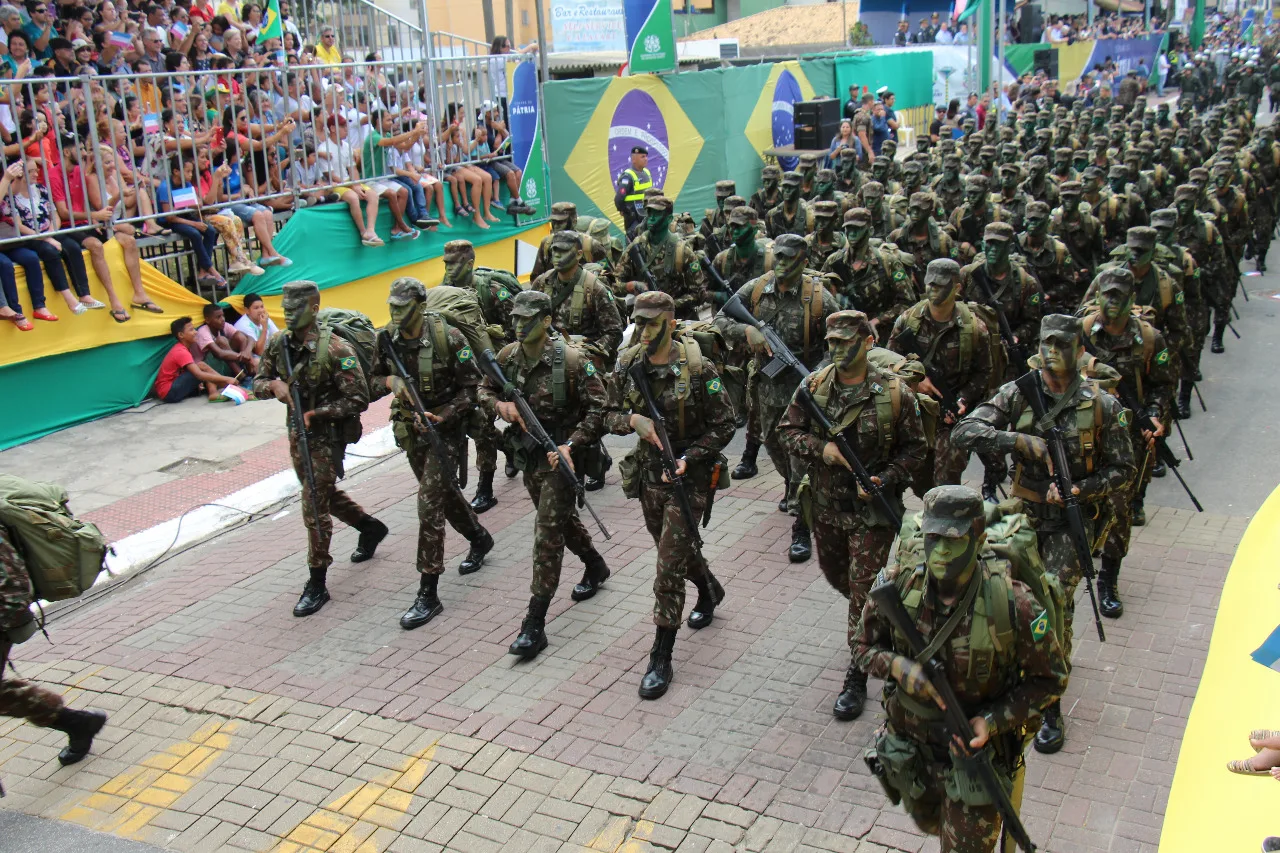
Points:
(537, 434)
(1018, 354)
(887, 600)
(641, 380)
(634, 251)
(300, 425)
(783, 356)
(1029, 385)
(434, 438)
(1162, 450)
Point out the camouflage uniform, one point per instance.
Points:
(334, 389)
(700, 423)
(826, 240)
(880, 419)
(1008, 689)
(573, 413)
(922, 236)
(1156, 291)
(970, 219)
(1078, 229)
(948, 187)
(584, 311)
(446, 382)
(19, 698)
(1050, 262)
(764, 199)
(869, 277)
(564, 217)
(672, 262)
(958, 351)
(800, 221)
(1204, 241)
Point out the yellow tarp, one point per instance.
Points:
(1210, 808)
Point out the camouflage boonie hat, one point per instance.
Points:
(300, 291)
(977, 182)
(457, 250)
(1185, 192)
(405, 290)
(922, 199)
(1165, 216)
(660, 203)
(771, 171)
(826, 208)
(1140, 237)
(950, 511)
(531, 303)
(857, 216)
(562, 210)
(1008, 169)
(740, 215)
(792, 179)
(997, 231)
(1060, 324)
(987, 151)
(726, 188)
(1071, 188)
(1038, 160)
(847, 325)
(951, 160)
(874, 188)
(1092, 173)
(1199, 173)
(1044, 133)
(652, 303)
(942, 267)
(567, 237)
(807, 160)
(1117, 278)
(826, 176)
(1220, 169)
(1117, 171)
(912, 167)
(1064, 153)
(790, 245)
(734, 201)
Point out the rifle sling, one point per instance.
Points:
(949, 627)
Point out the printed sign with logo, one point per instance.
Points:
(588, 25)
(526, 133)
(651, 37)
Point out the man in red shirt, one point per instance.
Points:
(69, 199)
(181, 376)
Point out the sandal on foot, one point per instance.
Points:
(1244, 766)
(45, 314)
(147, 306)
(23, 324)
(1261, 735)
(120, 315)
(79, 308)
(92, 304)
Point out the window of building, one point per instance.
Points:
(695, 7)
(524, 17)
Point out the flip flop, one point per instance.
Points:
(147, 306)
(374, 242)
(121, 316)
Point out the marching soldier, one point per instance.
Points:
(334, 392)
(1050, 261)
(670, 260)
(714, 219)
(881, 222)
(1003, 689)
(1011, 202)
(792, 215)
(700, 422)
(1181, 266)
(442, 367)
(954, 346)
(566, 395)
(796, 306)
(921, 236)
(1095, 429)
(1078, 229)
(969, 220)
(869, 277)
(825, 240)
(880, 417)
(948, 187)
(769, 195)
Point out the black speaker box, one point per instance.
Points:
(1030, 25)
(1046, 60)
(816, 122)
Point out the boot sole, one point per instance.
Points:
(583, 596)
(67, 756)
(1048, 749)
(846, 716)
(699, 624)
(798, 558)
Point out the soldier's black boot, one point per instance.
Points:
(509, 467)
(80, 726)
(425, 607)
(1215, 345)
(372, 532)
(484, 499)
(1051, 735)
(533, 635)
(746, 468)
(1138, 517)
(476, 554)
(1159, 469)
(658, 678)
(594, 484)
(314, 595)
(784, 503)
(710, 594)
(801, 545)
(853, 698)
(593, 577)
(1184, 400)
(1109, 603)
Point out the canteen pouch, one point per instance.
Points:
(804, 497)
(629, 468)
(905, 768)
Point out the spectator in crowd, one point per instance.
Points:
(902, 37)
(923, 34)
(500, 170)
(843, 139)
(962, 35)
(27, 210)
(181, 375)
(890, 114)
(419, 157)
(879, 127)
(221, 346)
(337, 158)
(40, 28)
(501, 53)
(180, 200)
(327, 50)
(373, 165)
(1162, 72)
(944, 34)
(463, 175)
(256, 325)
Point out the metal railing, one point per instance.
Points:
(361, 29)
(148, 150)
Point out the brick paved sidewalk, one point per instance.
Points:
(235, 725)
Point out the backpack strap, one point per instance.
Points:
(691, 361)
(1165, 285)
(579, 299)
(888, 407)
(565, 361)
(758, 290)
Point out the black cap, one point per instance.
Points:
(639, 149)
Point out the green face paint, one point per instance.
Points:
(950, 562)
(299, 315)
(458, 272)
(564, 258)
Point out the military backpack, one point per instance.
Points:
(64, 555)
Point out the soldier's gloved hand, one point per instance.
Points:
(756, 342)
(832, 456)
(399, 388)
(644, 428)
(23, 631)
(914, 681)
(1032, 447)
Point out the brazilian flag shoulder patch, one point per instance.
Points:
(503, 293)
(1040, 626)
(899, 274)
(1163, 357)
(464, 355)
(348, 363)
(590, 368)
(695, 266)
(1179, 299)
(714, 385)
(1035, 299)
(1123, 419)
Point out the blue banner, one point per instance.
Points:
(526, 133)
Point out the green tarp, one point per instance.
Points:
(909, 75)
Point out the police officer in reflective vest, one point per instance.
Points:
(632, 183)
